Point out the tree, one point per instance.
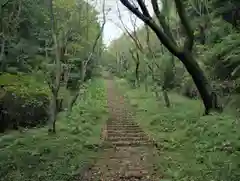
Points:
(86, 61)
(55, 84)
(185, 53)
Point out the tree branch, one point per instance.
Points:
(84, 64)
(135, 34)
(186, 24)
(5, 3)
(134, 38)
(150, 68)
(162, 20)
(150, 22)
(136, 59)
(143, 8)
(158, 66)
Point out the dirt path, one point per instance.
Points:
(130, 155)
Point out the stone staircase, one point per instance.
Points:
(128, 152)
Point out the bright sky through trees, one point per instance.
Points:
(113, 25)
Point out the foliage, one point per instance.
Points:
(24, 84)
(224, 57)
(216, 49)
(35, 155)
(30, 47)
(53, 42)
(191, 147)
(23, 100)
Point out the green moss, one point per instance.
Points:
(35, 155)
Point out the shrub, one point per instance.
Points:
(23, 101)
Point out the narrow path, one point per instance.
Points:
(130, 154)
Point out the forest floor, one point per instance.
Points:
(143, 140)
(190, 146)
(34, 155)
(128, 152)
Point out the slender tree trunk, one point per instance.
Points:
(202, 34)
(137, 74)
(200, 81)
(56, 86)
(53, 113)
(145, 79)
(75, 97)
(156, 93)
(2, 55)
(166, 98)
(55, 83)
(156, 86)
(73, 100)
(146, 86)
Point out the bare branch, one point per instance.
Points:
(158, 66)
(135, 10)
(5, 3)
(101, 29)
(186, 24)
(136, 59)
(135, 33)
(162, 20)
(150, 68)
(143, 8)
(166, 41)
(96, 40)
(133, 37)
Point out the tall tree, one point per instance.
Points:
(185, 53)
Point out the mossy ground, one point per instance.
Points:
(191, 146)
(36, 155)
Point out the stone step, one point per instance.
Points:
(130, 143)
(124, 128)
(115, 131)
(135, 173)
(116, 165)
(115, 176)
(121, 120)
(127, 138)
(121, 124)
(122, 134)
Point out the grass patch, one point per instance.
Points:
(191, 146)
(35, 155)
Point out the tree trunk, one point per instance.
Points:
(137, 74)
(74, 99)
(53, 113)
(145, 79)
(166, 98)
(185, 56)
(146, 85)
(200, 81)
(2, 56)
(55, 83)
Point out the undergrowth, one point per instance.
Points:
(191, 146)
(33, 155)
(23, 85)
